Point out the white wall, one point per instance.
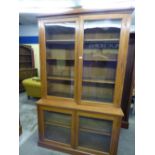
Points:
(28, 30)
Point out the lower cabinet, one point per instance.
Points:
(78, 132)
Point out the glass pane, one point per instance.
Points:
(58, 127)
(60, 43)
(57, 133)
(95, 134)
(101, 45)
(58, 118)
(96, 124)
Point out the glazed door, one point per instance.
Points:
(96, 133)
(60, 54)
(101, 63)
(56, 125)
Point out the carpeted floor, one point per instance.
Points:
(28, 116)
(29, 121)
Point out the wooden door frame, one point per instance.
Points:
(42, 42)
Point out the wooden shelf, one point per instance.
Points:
(99, 81)
(100, 60)
(84, 80)
(25, 55)
(70, 104)
(59, 78)
(56, 123)
(25, 62)
(92, 130)
(100, 40)
(86, 40)
(66, 40)
(60, 59)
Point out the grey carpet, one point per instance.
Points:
(28, 112)
(30, 147)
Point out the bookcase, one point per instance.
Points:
(26, 58)
(26, 64)
(83, 60)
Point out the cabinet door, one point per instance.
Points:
(101, 59)
(57, 125)
(94, 133)
(60, 38)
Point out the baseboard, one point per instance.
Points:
(62, 148)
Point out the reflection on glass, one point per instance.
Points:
(101, 44)
(95, 134)
(60, 38)
(57, 126)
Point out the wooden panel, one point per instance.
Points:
(42, 59)
(40, 123)
(80, 11)
(80, 60)
(115, 135)
(122, 56)
(70, 104)
(128, 82)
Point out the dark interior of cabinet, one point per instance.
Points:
(95, 134)
(57, 127)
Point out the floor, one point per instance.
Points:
(29, 137)
(28, 117)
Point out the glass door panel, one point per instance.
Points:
(101, 45)
(57, 126)
(60, 44)
(95, 133)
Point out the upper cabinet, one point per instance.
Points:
(83, 58)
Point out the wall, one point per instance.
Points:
(28, 35)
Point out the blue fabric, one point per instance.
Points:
(28, 40)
